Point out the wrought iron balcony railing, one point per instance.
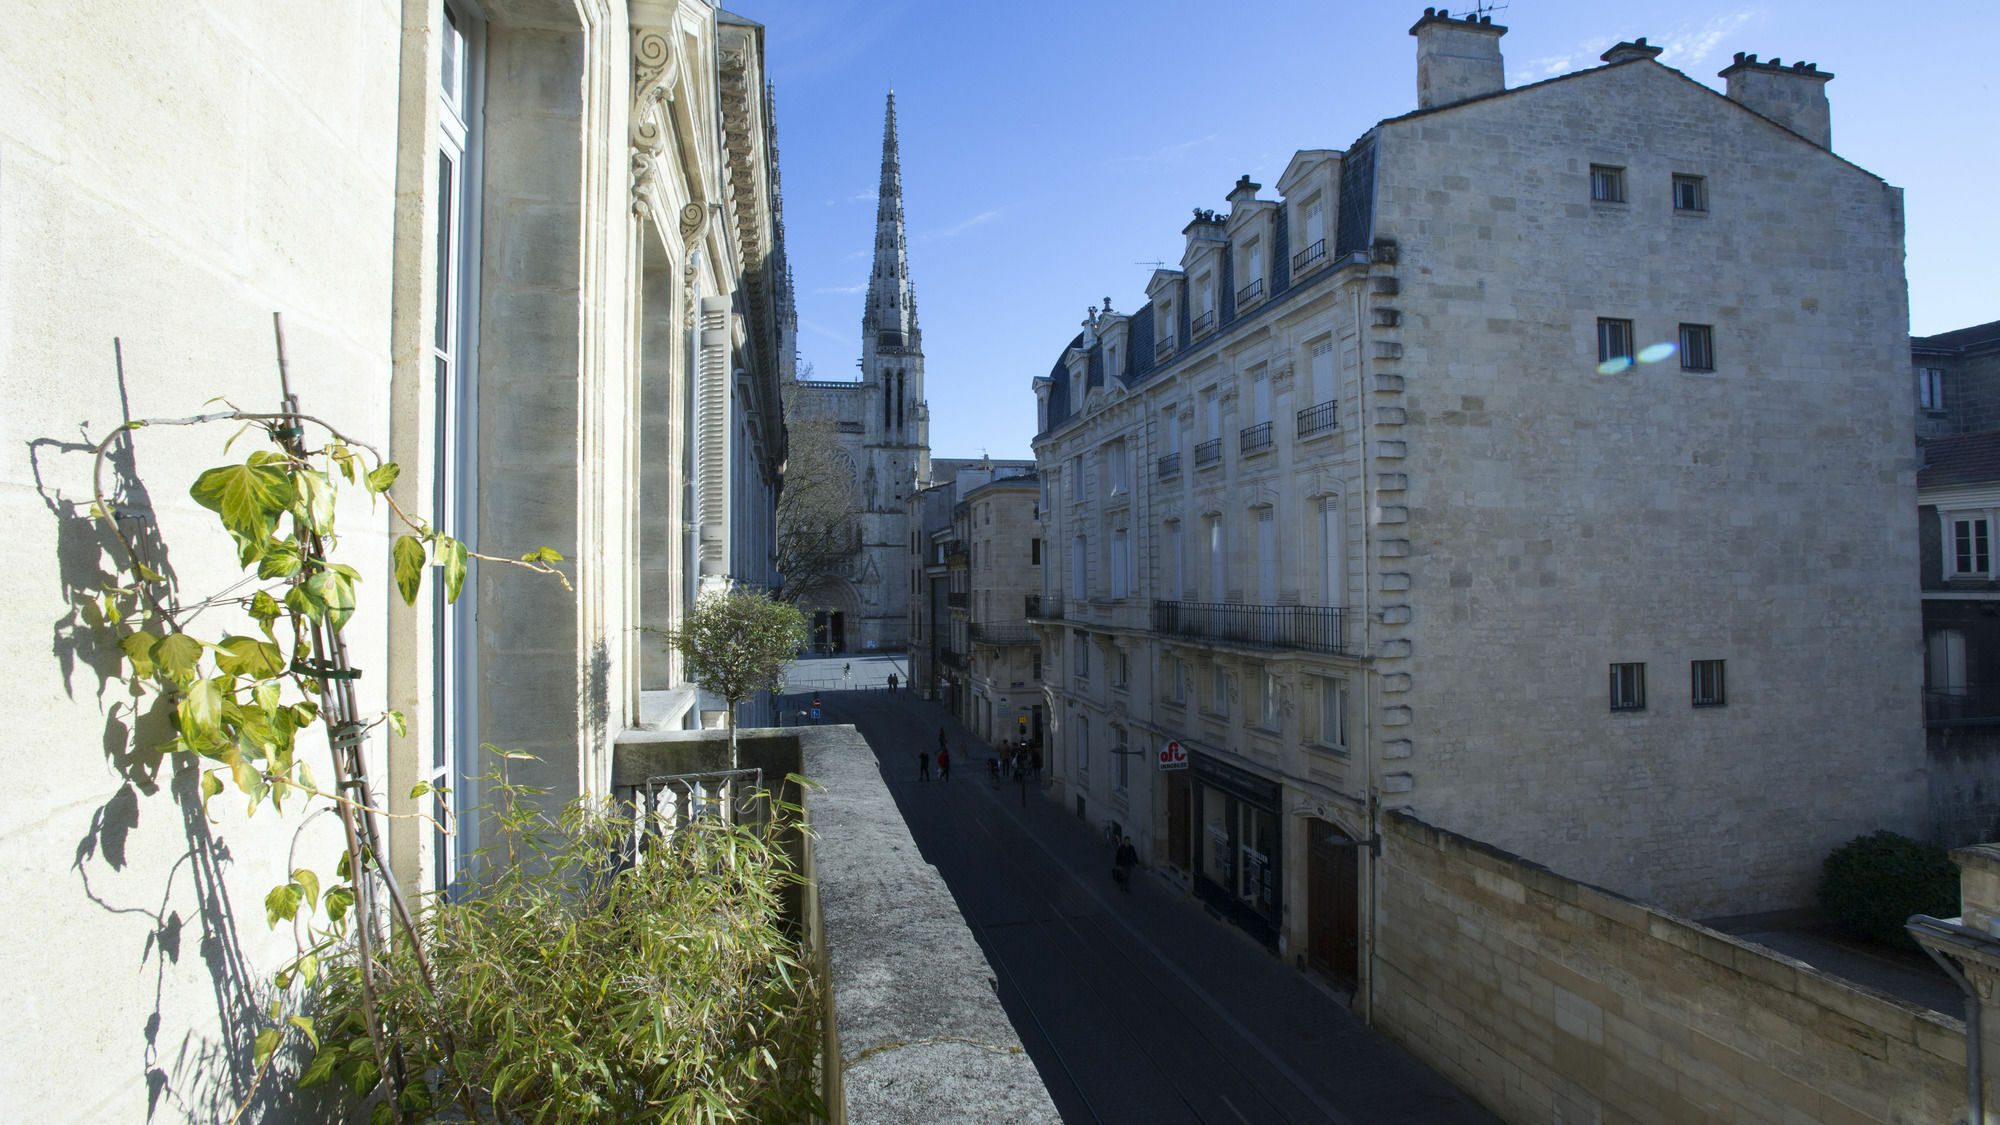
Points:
(951, 659)
(1164, 348)
(1250, 293)
(1310, 258)
(1208, 452)
(1255, 438)
(1170, 465)
(1324, 416)
(1204, 324)
(1045, 607)
(1976, 706)
(1307, 628)
(984, 634)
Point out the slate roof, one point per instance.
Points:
(1961, 338)
(1960, 459)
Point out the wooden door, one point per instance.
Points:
(1333, 903)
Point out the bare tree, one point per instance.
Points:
(819, 530)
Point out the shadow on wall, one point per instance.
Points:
(202, 1077)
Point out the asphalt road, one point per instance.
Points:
(1136, 1007)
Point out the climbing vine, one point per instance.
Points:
(251, 670)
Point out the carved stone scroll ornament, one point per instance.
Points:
(654, 71)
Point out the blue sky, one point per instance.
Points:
(1053, 151)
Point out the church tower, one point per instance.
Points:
(895, 438)
(892, 348)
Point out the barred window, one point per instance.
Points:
(1614, 339)
(1708, 683)
(1628, 687)
(1697, 347)
(1607, 183)
(1690, 193)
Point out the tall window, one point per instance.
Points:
(1628, 687)
(1332, 711)
(1260, 396)
(1216, 548)
(1121, 565)
(1211, 415)
(1267, 556)
(1218, 689)
(1930, 388)
(1076, 588)
(1172, 562)
(1268, 699)
(1082, 744)
(1315, 224)
(1697, 347)
(1080, 653)
(1971, 553)
(1034, 552)
(1614, 339)
(1944, 666)
(1332, 555)
(451, 500)
(1322, 372)
(1076, 478)
(1173, 681)
(1607, 184)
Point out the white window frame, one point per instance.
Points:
(1121, 565)
(1930, 388)
(1266, 519)
(1270, 700)
(1979, 542)
(1333, 706)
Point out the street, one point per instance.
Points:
(1135, 1007)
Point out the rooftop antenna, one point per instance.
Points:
(1156, 263)
(1485, 11)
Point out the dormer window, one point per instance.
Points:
(1968, 551)
(1165, 318)
(1204, 309)
(1312, 237)
(1252, 273)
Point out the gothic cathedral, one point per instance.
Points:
(884, 428)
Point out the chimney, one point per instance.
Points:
(1794, 96)
(1457, 59)
(1637, 49)
(1244, 191)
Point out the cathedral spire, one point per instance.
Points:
(890, 317)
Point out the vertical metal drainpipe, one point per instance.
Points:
(1936, 934)
(1371, 797)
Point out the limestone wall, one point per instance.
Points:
(169, 177)
(1548, 999)
(1560, 520)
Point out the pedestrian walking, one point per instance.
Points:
(941, 738)
(924, 764)
(1122, 865)
(944, 765)
(847, 672)
(892, 683)
(1035, 764)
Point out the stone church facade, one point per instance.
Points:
(884, 427)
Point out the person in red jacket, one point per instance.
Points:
(944, 765)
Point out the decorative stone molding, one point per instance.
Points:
(1397, 748)
(655, 69)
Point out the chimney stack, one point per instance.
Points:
(1637, 49)
(1794, 96)
(1457, 59)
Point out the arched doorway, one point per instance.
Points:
(1333, 902)
(832, 606)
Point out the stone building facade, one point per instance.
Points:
(884, 425)
(1003, 558)
(534, 254)
(1957, 377)
(940, 576)
(1521, 466)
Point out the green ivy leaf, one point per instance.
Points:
(267, 1044)
(543, 555)
(305, 1024)
(321, 1067)
(248, 656)
(342, 456)
(248, 497)
(397, 723)
(338, 900)
(451, 553)
(250, 780)
(308, 882)
(304, 712)
(281, 905)
(306, 778)
(177, 654)
(313, 500)
(211, 785)
(139, 650)
(380, 480)
(309, 972)
(409, 556)
(333, 593)
(200, 710)
(419, 789)
(384, 1113)
(264, 607)
(281, 559)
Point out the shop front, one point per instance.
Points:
(1238, 861)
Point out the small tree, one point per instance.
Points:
(737, 642)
